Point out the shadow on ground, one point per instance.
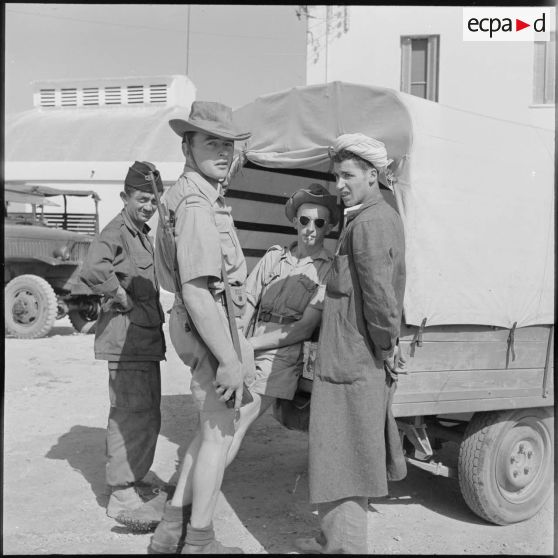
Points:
(83, 447)
(267, 484)
(439, 494)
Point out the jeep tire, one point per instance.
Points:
(506, 463)
(30, 307)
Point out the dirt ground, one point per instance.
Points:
(55, 412)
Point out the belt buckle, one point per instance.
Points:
(266, 316)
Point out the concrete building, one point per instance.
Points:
(420, 50)
(86, 133)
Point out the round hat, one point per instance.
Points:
(138, 177)
(315, 193)
(211, 118)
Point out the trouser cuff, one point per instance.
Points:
(199, 537)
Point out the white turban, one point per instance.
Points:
(369, 149)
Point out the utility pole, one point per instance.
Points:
(328, 13)
(188, 40)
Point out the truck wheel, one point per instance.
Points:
(505, 464)
(85, 320)
(30, 307)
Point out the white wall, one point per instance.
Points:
(495, 79)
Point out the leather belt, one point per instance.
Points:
(276, 318)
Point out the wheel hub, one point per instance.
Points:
(520, 460)
(25, 308)
(523, 464)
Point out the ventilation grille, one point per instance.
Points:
(68, 97)
(113, 96)
(47, 97)
(140, 94)
(158, 93)
(135, 94)
(90, 96)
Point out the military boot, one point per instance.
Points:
(202, 541)
(146, 518)
(309, 545)
(123, 498)
(171, 531)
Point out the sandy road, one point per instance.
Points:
(55, 410)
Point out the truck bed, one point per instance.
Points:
(460, 369)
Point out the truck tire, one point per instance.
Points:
(30, 307)
(83, 321)
(505, 464)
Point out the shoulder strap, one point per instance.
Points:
(230, 309)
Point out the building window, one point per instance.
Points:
(544, 71)
(419, 66)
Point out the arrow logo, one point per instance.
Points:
(519, 25)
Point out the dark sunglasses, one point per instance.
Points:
(305, 220)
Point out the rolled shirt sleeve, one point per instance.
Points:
(372, 256)
(198, 247)
(317, 300)
(256, 279)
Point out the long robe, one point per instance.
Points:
(354, 445)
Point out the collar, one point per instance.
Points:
(323, 254)
(210, 192)
(131, 226)
(371, 199)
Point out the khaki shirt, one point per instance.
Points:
(204, 229)
(289, 286)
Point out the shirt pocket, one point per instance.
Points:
(340, 281)
(143, 286)
(146, 312)
(225, 226)
(299, 291)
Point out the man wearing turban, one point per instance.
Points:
(354, 445)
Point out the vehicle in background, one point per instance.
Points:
(475, 195)
(43, 254)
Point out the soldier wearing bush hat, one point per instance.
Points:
(129, 335)
(208, 253)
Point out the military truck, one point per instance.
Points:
(43, 253)
(475, 195)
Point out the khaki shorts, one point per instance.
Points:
(203, 365)
(277, 371)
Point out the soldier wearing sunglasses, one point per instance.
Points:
(285, 293)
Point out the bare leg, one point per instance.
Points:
(183, 490)
(248, 414)
(204, 465)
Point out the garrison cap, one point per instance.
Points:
(138, 177)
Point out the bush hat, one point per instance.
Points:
(138, 177)
(211, 118)
(315, 193)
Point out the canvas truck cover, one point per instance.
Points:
(475, 194)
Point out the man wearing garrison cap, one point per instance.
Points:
(354, 445)
(129, 335)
